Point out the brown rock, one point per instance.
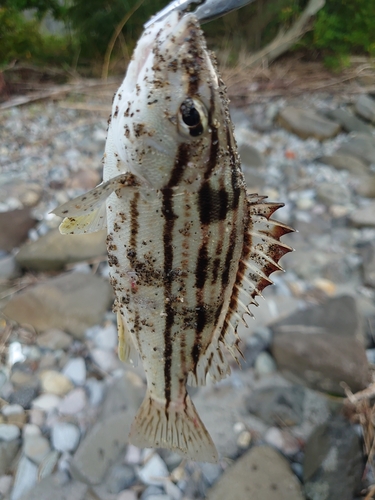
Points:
(306, 123)
(14, 227)
(72, 302)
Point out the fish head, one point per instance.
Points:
(170, 106)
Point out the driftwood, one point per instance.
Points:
(286, 39)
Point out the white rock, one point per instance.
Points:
(30, 430)
(5, 484)
(26, 477)
(106, 338)
(65, 437)
(75, 370)
(265, 364)
(12, 410)
(106, 360)
(36, 448)
(46, 402)
(154, 472)
(133, 455)
(73, 402)
(96, 391)
(127, 495)
(9, 432)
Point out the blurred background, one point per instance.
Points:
(297, 421)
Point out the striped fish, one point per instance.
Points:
(188, 248)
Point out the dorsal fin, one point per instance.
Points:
(260, 258)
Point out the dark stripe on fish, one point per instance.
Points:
(169, 217)
(197, 347)
(181, 161)
(213, 204)
(201, 267)
(214, 146)
(134, 225)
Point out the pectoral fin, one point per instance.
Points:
(87, 213)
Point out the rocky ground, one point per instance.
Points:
(281, 424)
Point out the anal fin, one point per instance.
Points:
(126, 349)
(213, 363)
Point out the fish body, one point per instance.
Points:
(188, 248)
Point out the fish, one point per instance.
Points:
(189, 248)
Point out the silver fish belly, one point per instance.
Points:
(189, 249)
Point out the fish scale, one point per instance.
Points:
(189, 250)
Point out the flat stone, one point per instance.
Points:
(46, 402)
(14, 227)
(333, 462)
(54, 339)
(36, 448)
(126, 392)
(65, 436)
(276, 405)
(262, 473)
(307, 123)
(5, 485)
(75, 370)
(365, 107)
(361, 146)
(55, 383)
(348, 121)
(52, 488)
(53, 251)
(23, 397)
(337, 315)
(321, 361)
(363, 216)
(26, 478)
(107, 361)
(346, 162)
(101, 448)
(64, 302)
(73, 403)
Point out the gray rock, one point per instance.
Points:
(9, 432)
(264, 364)
(119, 478)
(65, 436)
(95, 391)
(365, 107)
(26, 478)
(278, 405)
(64, 302)
(127, 495)
(368, 256)
(361, 146)
(75, 370)
(106, 337)
(333, 462)
(53, 251)
(8, 451)
(16, 193)
(8, 267)
(54, 339)
(14, 227)
(152, 492)
(52, 487)
(101, 448)
(331, 193)
(262, 473)
(23, 397)
(5, 485)
(321, 361)
(211, 472)
(348, 121)
(306, 123)
(36, 448)
(338, 315)
(126, 391)
(363, 216)
(154, 471)
(346, 162)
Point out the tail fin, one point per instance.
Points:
(178, 429)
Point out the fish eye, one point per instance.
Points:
(192, 117)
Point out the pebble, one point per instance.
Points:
(9, 432)
(106, 337)
(75, 370)
(55, 383)
(65, 436)
(54, 339)
(5, 485)
(154, 471)
(119, 478)
(106, 360)
(46, 402)
(95, 390)
(73, 403)
(26, 478)
(36, 448)
(264, 364)
(127, 495)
